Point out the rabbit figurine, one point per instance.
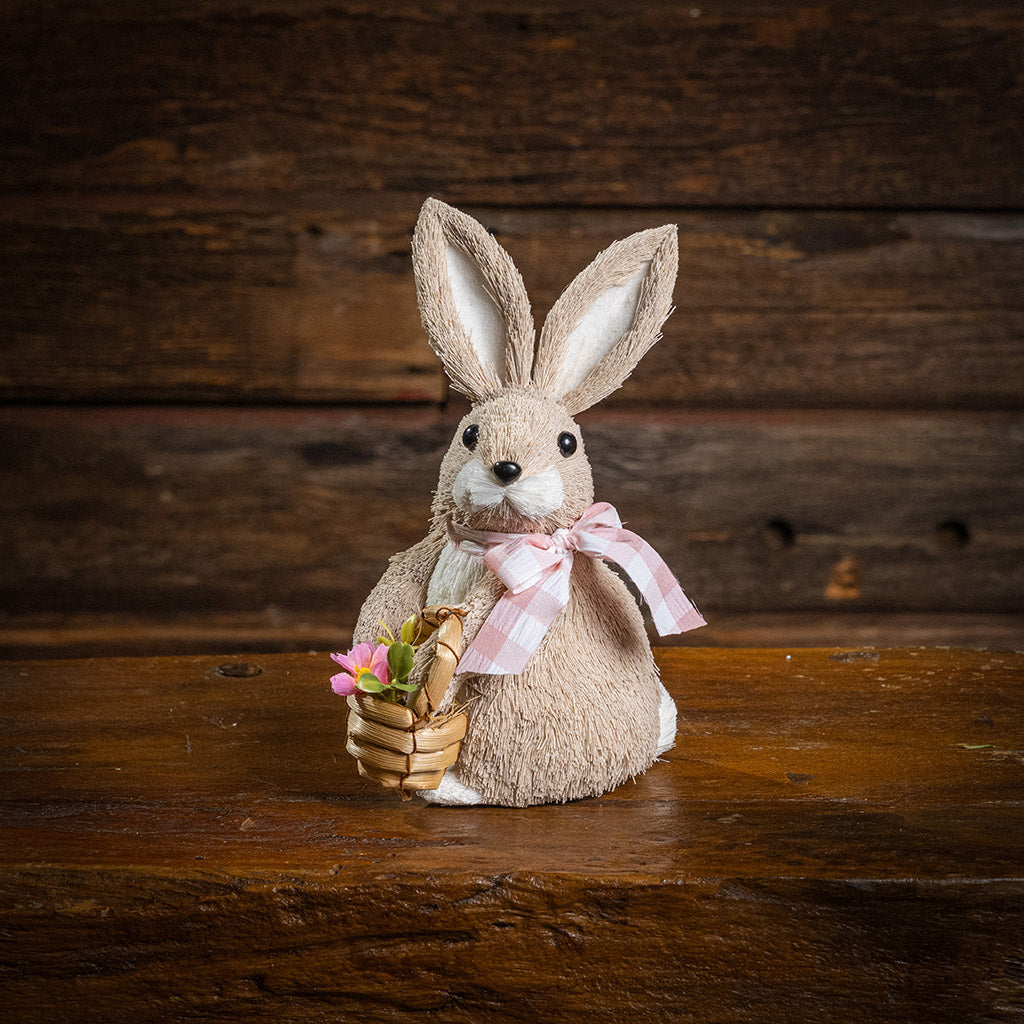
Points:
(564, 696)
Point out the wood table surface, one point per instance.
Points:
(838, 835)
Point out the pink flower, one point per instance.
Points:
(361, 660)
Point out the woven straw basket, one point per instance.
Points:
(411, 748)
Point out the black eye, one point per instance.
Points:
(567, 443)
(470, 435)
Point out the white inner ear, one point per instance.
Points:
(480, 316)
(607, 320)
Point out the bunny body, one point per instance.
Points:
(587, 711)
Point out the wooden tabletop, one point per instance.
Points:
(837, 836)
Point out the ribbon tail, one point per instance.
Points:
(671, 610)
(677, 614)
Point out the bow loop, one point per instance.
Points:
(596, 529)
(536, 567)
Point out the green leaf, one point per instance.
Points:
(977, 746)
(408, 632)
(369, 683)
(400, 661)
(405, 687)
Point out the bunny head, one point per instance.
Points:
(517, 463)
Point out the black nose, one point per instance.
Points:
(506, 472)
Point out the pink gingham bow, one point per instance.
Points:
(535, 568)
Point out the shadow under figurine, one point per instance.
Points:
(564, 698)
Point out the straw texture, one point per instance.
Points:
(409, 748)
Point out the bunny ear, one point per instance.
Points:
(607, 318)
(472, 302)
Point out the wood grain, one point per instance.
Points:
(211, 203)
(194, 306)
(835, 837)
(289, 517)
(791, 104)
(277, 629)
(782, 309)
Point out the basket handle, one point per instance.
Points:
(448, 623)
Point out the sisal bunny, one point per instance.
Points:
(570, 706)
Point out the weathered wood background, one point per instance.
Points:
(217, 392)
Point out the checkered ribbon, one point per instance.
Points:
(535, 568)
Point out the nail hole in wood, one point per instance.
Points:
(778, 534)
(953, 533)
(238, 670)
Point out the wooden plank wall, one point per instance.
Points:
(220, 414)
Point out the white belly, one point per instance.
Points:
(454, 577)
